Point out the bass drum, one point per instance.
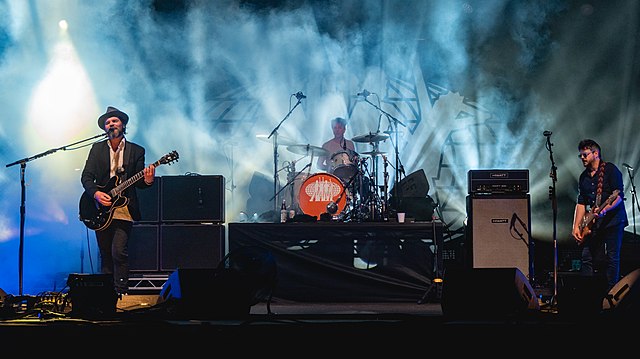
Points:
(318, 191)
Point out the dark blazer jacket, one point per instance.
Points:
(97, 167)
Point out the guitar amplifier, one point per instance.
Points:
(497, 181)
(192, 199)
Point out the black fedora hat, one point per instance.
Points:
(112, 112)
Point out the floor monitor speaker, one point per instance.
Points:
(579, 295)
(92, 295)
(623, 300)
(487, 293)
(204, 293)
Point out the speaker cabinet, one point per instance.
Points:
(149, 200)
(499, 231)
(488, 293)
(92, 296)
(191, 246)
(189, 199)
(144, 248)
(623, 300)
(205, 293)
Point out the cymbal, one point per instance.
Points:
(371, 137)
(308, 150)
(374, 153)
(282, 140)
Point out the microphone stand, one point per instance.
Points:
(394, 125)
(634, 200)
(23, 166)
(554, 205)
(274, 133)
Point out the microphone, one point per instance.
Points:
(547, 133)
(627, 167)
(332, 207)
(299, 95)
(364, 93)
(512, 225)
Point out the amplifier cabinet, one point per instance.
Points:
(191, 246)
(149, 200)
(193, 199)
(143, 248)
(500, 228)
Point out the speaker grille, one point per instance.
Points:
(500, 231)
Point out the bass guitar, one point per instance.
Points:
(98, 217)
(590, 218)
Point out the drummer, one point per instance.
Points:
(337, 144)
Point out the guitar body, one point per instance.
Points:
(96, 216)
(589, 219)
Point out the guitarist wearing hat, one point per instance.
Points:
(600, 215)
(115, 159)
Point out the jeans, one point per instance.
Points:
(114, 256)
(601, 254)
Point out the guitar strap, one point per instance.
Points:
(600, 182)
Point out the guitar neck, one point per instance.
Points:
(124, 185)
(133, 179)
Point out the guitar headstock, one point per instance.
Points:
(169, 158)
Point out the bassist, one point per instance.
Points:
(115, 160)
(600, 215)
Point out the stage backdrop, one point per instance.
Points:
(347, 262)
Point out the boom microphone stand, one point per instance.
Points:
(23, 166)
(299, 95)
(634, 198)
(554, 205)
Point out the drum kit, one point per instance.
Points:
(347, 192)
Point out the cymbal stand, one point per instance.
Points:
(394, 122)
(274, 134)
(385, 209)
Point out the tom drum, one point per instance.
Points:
(342, 166)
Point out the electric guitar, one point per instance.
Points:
(590, 217)
(98, 217)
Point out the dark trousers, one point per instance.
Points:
(601, 253)
(114, 256)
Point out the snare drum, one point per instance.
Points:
(318, 191)
(342, 166)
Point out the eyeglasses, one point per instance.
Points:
(584, 155)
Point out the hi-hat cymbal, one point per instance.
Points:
(282, 140)
(374, 153)
(371, 137)
(308, 150)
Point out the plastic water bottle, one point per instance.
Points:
(283, 212)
